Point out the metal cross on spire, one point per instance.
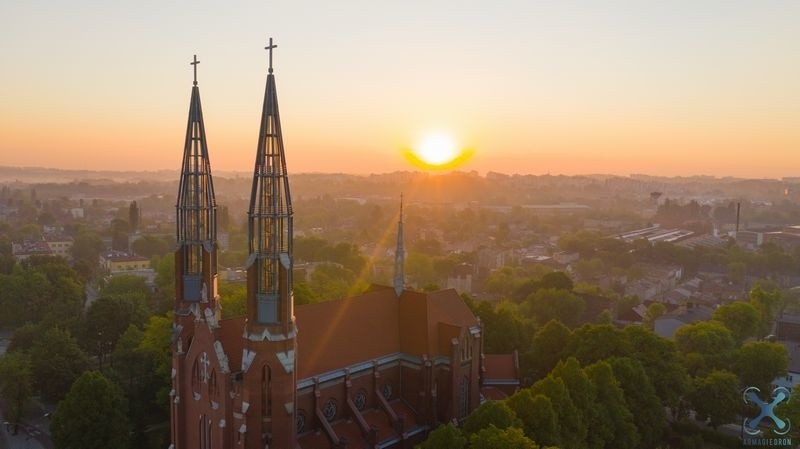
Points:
(194, 64)
(270, 47)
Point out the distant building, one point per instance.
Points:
(667, 324)
(566, 258)
(461, 281)
(792, 377)
(60, 245)
(120, 262)
(655, 234)
(76, 212)
(788, 239)
(28, 248)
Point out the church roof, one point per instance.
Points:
(336, 334)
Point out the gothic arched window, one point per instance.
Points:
(196, 379)
(300, 421)
(266, 391)
(464, 399)
(212, 386)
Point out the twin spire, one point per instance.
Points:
(270, 221)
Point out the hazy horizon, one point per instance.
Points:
(678, 88)
(413, 170)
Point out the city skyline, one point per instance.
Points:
(626, 87)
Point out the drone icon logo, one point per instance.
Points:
(779, 394)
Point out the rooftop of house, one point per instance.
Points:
(121, 256)
(689, 313)
(30, 248)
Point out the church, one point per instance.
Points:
(378, 370)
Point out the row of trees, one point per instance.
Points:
(121, 334)
(631, 374)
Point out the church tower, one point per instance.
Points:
(197, 310)
(196, 254)
(270, 331)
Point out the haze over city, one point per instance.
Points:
(472, 225)
(676, 88)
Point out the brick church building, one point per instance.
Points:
(377, 370)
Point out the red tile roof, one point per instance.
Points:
(493, 394)
(335, 334)
(500, 367)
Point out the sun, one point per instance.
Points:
(437, 151)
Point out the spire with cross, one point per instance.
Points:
(194, 65)
(196, 210)
(269, 48)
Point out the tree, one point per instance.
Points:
(302, 294)
(134, 369)
(715, 398)
(705, 345)
(86, 248)
(593, 342)
(495, 413)
(767, 302)
(234, 299)
(91, 416)
(660, 361)
(572, 430)
(741, 318)
(24, 337)
(615, 424)
(126, 284)
(331, 281)
(556, 280)
(57, 361)
(537, 415)
(737, 271)
(760, 362)
(150, 245)
(156, 345)
(506, 330)
(582, 393)
(551, 304)
(494, 438)
(446, 436)
(15, 384)
(119, 234)
(548, 347)
(654, 311)
(107, 319)
(640, 396)
(134, 216)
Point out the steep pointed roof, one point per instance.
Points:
(270, 221)
(270, 199)
(196, 201)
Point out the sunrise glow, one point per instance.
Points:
(438, 151)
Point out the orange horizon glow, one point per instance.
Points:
(669, 89)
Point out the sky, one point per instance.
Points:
(560, 87)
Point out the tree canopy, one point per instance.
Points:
(91, 416)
